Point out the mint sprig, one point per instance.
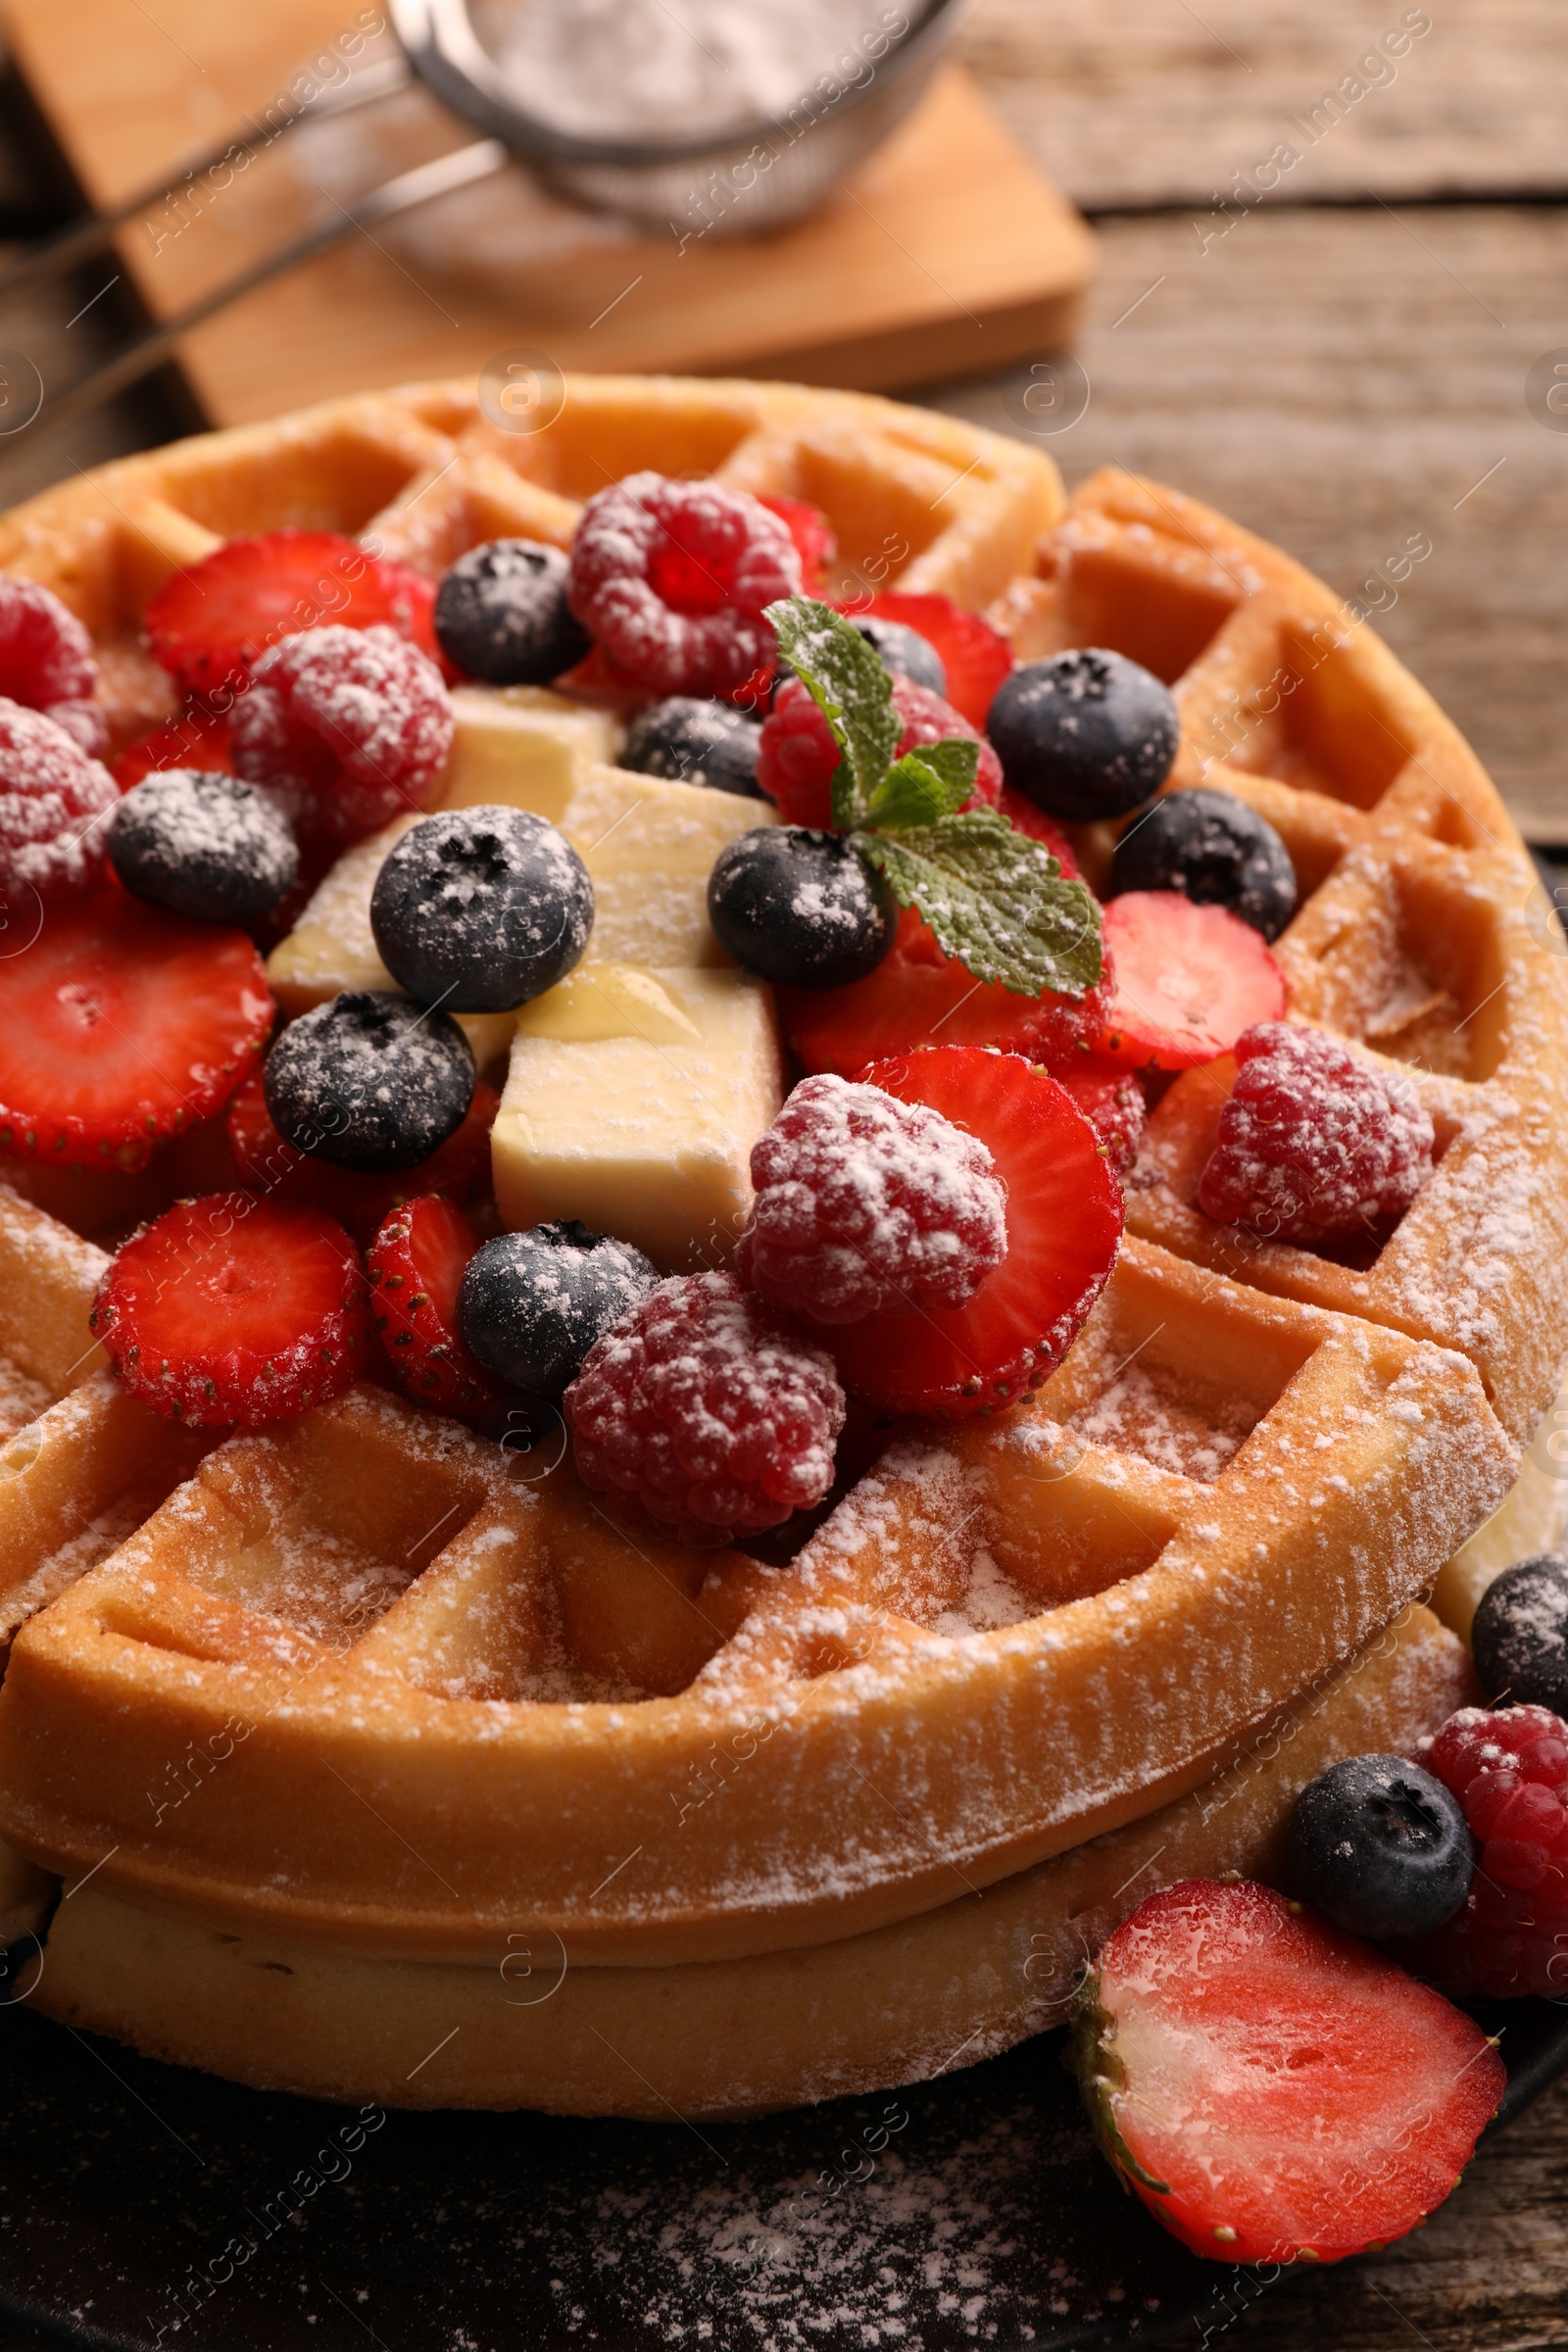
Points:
(996, 899)
(849, 686)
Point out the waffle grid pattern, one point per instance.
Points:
(468, 1705)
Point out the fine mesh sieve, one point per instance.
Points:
(742, 181)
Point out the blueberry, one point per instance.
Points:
(1086, 734)
(533, 1305)
(501, 615)
(1381, 1847)
(1215, 851)
(803, 909)
(207, 846)
(692, 742)
(1520, 1635)
(898, 647)
(478, 910)
(370, 1082)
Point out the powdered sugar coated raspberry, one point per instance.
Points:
(46, 654)
(55, 803)
(799, 753)
(700, 1407)
(672, 578)
(1508, 1767)
(1314, 1143)
(863, 1202)
(86, 723)
(348, 727)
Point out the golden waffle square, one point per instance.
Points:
(364, 1691)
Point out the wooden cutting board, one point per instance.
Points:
(946, 253)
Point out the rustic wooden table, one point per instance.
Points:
(1333, 247)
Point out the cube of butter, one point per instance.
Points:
(648, 845)
(523, 745)
(634, 1099)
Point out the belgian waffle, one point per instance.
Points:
(364, 1708)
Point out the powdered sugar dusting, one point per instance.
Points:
(55, 806)
(1314, 1143)
(351, 726)
(1137, 1414)
(672, 577)
(21, 1399)
(943, 2216)
(862, 1200)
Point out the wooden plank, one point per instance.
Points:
(945, 244)
(1339, 382)
(1154, 102)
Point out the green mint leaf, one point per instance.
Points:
(852, 690)
(927, 784)
(996, 899)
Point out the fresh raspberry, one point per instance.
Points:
(814, 543)
(210, 624)
(86, 723)
(55, 806)
(672, 578)
(349, 727)
(415, 1265)
(1314, 1144)
(1509, 1770)
(862, 1202)
(700, 1407)
(798, 754)
(459, 1170)
(47, 663)
(229, 1309)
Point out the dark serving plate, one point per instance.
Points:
(143, 2205)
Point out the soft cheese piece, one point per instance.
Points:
(610, 1116)
(525, 744)
(648, 845)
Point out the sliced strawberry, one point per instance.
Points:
(1026, 816)
(460, 1170)
(195, 739)
(415, 1265)
(233, 1310)
(975, 659)
(121, 1024)
(208, 624)
(1110, 1098)
(919, 996)
(1064, 1221)
(1271, 2088)
(813, 534)
(1189, 980)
